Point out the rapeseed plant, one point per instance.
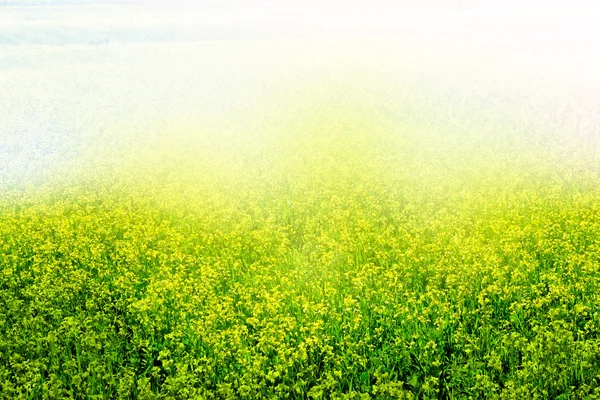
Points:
(336, 266)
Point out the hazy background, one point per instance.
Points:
(79, 76)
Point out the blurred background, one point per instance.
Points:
(80, 76)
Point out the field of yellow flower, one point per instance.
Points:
(333, 258)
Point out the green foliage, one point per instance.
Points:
(346, 266)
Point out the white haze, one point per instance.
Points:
(75, 74)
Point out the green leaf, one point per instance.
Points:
(364, 377)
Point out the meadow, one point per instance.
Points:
(338, 257)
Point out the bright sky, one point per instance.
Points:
(74, 68)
